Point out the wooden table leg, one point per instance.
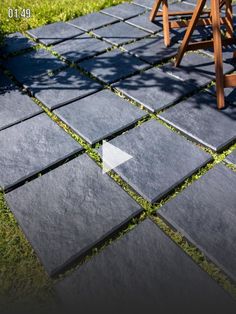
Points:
(229, 19)
(155, 9)
(166, 25)
(192, 24)
(217, 44)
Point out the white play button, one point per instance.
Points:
(112, 157)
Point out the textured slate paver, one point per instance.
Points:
(54, 33)
(144, 3)
(62, 88)
(99, 115)
(143, 22)
(31, 146)
(230, 95)
(161, 159)
(68, 210)
(196, 69)
(151, 49)
(113, 65)
(15, 42)
(232, 157)
(81, 47)
(199, 118)
(139, 273)
(205, 213)
(154, 89)
(124, 11)
(92, 21)
(15, 105)
(29, 66)
(120, 33)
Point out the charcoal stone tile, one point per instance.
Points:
(92, 21)
(161, 159)
(154, 89)
(31, 146)
(196, 69)
(54, 33)
(99, 115)
(28, 67)
(205, 212)
(181, 6)
(143, 22)
(199, 118)
(14, 43)
(139, 273)
(63, 87)
(120, 33)
(81, 47)
(230, 95)
(152, 49)
(227, 54)
(124, 11)
(68, 210)
(15, 105)
(113, 65)
(144, 3)
(232, 157)
(208, 2)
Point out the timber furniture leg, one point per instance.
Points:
(166, 25)
(155, 9)
(229, 19)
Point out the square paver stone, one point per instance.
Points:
(199, 118)
(206, 214)
(143, 22)
(113, 65)
(15, 105)
(92, 21)
(30, 66)
(230, 95)
(124, 11)
(154, 89)
(15, 42)
(99, 115)
(70, 209)
(81, 47)
(54, 33)
(161, 159)
(144, 3)
(63, 87)
(120, 33)
(139, 273)
(152, 49)
(196, 69)
(32, 146)
(232, 158)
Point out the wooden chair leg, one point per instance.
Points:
(192, 24)
(229, 19)
(166, 25)
(155, 9)
(217, 44)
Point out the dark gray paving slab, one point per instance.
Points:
(180, 6)
(154, 89)
(99, 115)
(144, 3)
(120, 33)
(15, 42)
(199, 118)
(70, 209)
(161, 159)
(208, 2)
(28, 67)
(143, 22)
(92, 21)
(152, 49)
(54, 33)
(230, 95)
(141, 272)
(63, 87)
(227, 54)
(232, 157)
(31, 146)
(113, 65)
(124, 11)
(81, 47)
(15, 105)
(196, 69)
(205, 213)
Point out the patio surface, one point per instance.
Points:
(107, 76)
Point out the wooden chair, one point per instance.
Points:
(222, 81)
(170, 24)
